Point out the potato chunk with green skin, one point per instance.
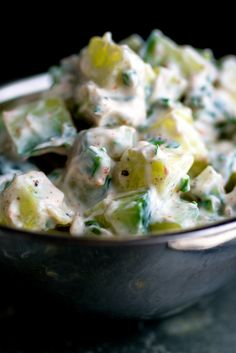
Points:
(39, 127)
(209, 188)
(103, 107)
(161, 50)
(126, 215)
(88, 172)
(174, 214)
(167, 85)
(135, 213)
(177, 125)
(115, 141)
(149, 164)
(32, 202)
(208, 182)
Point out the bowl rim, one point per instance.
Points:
(149, 239)
(40, 83)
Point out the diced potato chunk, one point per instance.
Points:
(177, 125)
(88, 171)
(32, 202)
(208, 187)
(174, 214)
(36, 128)
(116, 80)
(108, 108)
(103, 61)
(115, 141)
(167, 85)
(147, 164)
(207, 183)
(102, 57)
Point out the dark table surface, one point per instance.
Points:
(31, 322)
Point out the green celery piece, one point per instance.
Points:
(231, 183)
(130, 214)
(160, 227)
(197, 168)
(39, 127)
(185, 184)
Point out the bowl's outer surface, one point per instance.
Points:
(126, 280)
(139, 281)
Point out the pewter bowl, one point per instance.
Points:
(148, 277)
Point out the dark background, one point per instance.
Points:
(36, 36)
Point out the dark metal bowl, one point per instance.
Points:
(145, 278)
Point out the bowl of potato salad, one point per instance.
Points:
(118, 176)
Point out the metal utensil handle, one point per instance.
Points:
(22, 88)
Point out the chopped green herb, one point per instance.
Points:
(128, 77)
(160, 141)
(172, 144)
(207, 204)
(157, 141)
(165, 102)
(94, 226)
(185, 184)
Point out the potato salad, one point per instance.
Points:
(133, 138)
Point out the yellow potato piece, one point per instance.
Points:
(104, 54)
(102, 59)
(177, 125)
(147, 165)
